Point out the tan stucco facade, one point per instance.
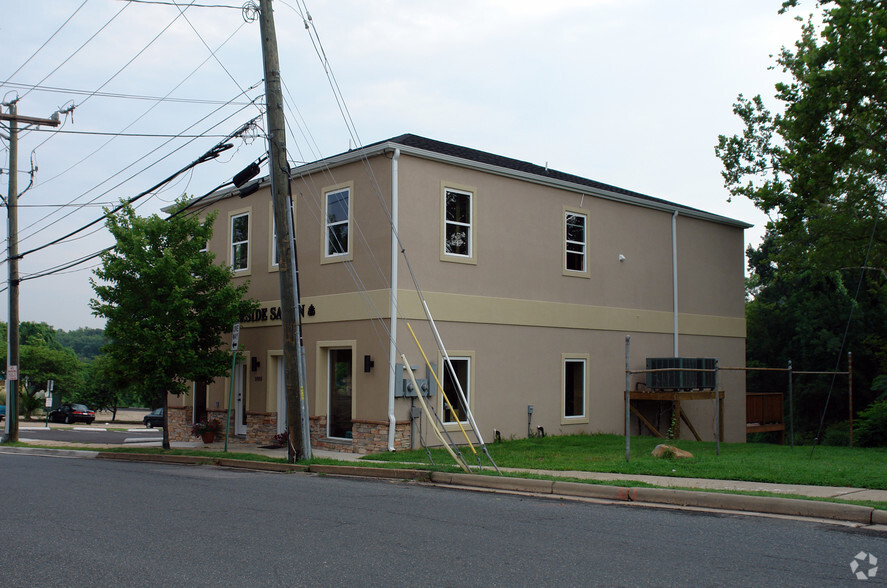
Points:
(507, 303)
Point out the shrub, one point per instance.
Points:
(871, 430)
(837, 434)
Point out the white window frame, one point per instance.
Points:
(273, 261)
(583, 273)
(468, 389)
(348, 254)
(573, 358)
(232, 245)
(471, 225)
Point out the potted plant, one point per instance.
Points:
(206, 430)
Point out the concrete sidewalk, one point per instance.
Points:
(844, 493)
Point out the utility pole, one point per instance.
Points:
(281, 194)
(12, 357)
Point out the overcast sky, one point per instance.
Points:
(633, 93)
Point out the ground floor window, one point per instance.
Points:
(340, 382)
(574, 387)
(462, 370)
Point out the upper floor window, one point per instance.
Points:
(337, 223)
(575, 242)
(458, 226)
(240, 242)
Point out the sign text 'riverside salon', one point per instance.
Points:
(272, 313)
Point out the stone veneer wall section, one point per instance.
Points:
(368, 436)
(180, 419)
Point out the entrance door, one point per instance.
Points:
(281, 396)
(339, 393)
(240, 399)
(199, 402)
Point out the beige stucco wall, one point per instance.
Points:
(513, 308)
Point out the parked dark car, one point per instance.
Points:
(72, 413)
(154, 419)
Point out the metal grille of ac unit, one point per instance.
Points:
(681, 378)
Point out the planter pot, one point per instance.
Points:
(208, 437)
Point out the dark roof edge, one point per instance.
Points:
(417, 146)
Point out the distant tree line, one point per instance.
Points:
(73, 360)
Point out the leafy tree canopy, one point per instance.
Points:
(86, 342)
(166, 302)
(818, 168)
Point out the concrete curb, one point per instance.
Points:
(51, 451)
(197, 460)
(397, 474)
(739, 502)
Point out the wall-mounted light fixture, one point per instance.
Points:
(255, 364)
(368, 363)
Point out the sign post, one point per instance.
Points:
(235, 336)
(48, 403)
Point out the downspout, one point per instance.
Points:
(674, 274)
(392, 337)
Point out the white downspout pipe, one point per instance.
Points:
(392, 347)
(674, 274)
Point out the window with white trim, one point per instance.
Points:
(275, 255)
(337, 222)
(458, 223)
(240, 242)
(455, 411)
(575, 241)
(574, 387)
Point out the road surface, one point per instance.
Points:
(70, 521)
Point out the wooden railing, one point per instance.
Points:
(763, 412)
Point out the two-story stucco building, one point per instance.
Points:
(534, 277)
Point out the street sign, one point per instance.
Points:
(12, 372)
(235, 335)
(48, 402)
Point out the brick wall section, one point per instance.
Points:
(261, 427)
(368, 436)
(180, 419)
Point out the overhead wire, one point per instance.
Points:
(131, 176)
(84, 44)
(67, 265)
(117, 95)
(45, 43)
(352, 130)
(78, 163)
(207, 156)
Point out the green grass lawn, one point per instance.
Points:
(754, 462)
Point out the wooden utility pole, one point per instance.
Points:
(281, 195)
(12, 357)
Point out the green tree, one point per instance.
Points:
(167, 304)
(41, 363)
(86, 342)
(817, 168)
(106, 386)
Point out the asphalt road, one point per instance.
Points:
(90, 522)
(83, 433)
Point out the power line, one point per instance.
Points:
(119, 172)
(59, 90)
(142, 135)
(209, 155)
(84, 44)
(45, 43)
(177, 4)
